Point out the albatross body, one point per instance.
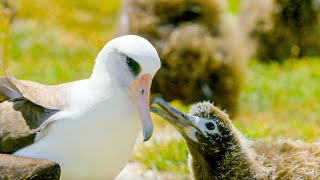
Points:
(89, 126)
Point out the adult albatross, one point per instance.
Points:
(89, 126)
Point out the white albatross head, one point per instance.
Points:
(132, 62)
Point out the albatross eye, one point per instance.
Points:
(210, 126)
(134, 67)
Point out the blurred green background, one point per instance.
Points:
(56, 41)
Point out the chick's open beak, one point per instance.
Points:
(140, 90)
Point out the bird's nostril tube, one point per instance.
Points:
(142, 92)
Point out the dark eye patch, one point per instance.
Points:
(134, 67)
(210, 126)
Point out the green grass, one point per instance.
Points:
(38, 53)
(92, 20)
(164, 156)
(233, 6)
(57, 41)
(282, 99)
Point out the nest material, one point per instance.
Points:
(200, 49)
(15, 167)
(281, 29)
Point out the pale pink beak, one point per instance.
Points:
(140, 90)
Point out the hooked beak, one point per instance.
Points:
(178, 119)
(140, 90)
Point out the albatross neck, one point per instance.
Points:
(100, 72)
(103, 84)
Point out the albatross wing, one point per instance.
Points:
(51, 97)
(25, 107)
(8, 90)
(19, 122)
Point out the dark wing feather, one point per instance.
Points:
(18, 119)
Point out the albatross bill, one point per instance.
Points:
(140, 90)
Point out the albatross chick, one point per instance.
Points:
(217, 150)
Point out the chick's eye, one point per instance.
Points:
(210, 126)
(134, 67)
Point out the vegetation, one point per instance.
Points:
(57, 41)
(200, 51)
(233, 6)
(4, 33)
(280, 29)
(277, 101)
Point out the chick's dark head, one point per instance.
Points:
(206, 128)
